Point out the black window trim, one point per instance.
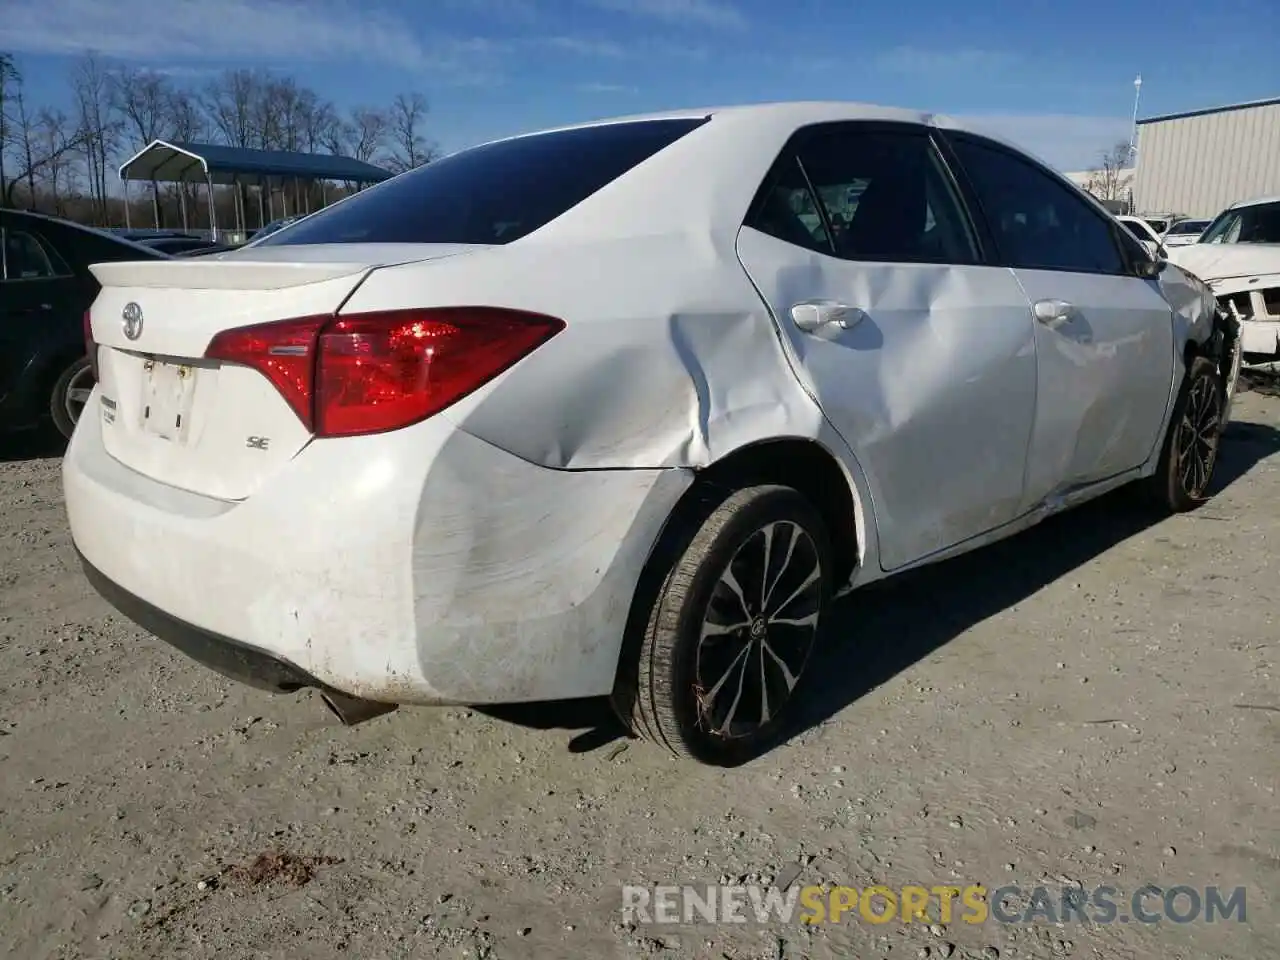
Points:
(790, 153)
(950, 137)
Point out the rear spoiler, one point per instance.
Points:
(205, 274)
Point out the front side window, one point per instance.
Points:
(491, 194)
(876, 196)
(1037, 221)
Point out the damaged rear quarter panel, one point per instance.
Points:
(675, 362)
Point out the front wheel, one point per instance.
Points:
(70, 394)
(729, 635)
(1181, 481)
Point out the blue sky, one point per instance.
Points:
(1054, 76)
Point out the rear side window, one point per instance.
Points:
(492, 194)
(26, 258)
(877, 195)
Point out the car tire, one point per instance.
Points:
(1190, 452)
(710, 641)
(69, 396)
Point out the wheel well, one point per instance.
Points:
(809, 468)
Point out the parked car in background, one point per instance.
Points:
(180, 245)
(1184, 232)
(46, 288)
(270, 228)
(1160, 223)
(1145, 233)
(1238, 256)
(628, 433)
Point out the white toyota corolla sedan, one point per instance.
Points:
(619, 408)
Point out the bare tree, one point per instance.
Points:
(410, 149)
(1111, 179)
(233, 104)
(185, 120)
(367, 132)
(231, 101)
(57, 143)
(37, 151)
(99, 131)
(10, 78)
(142, 99)
(320, 126)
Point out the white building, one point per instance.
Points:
(1198, 163)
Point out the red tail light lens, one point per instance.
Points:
(373, 372)
(90, 345)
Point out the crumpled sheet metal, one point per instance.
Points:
(674, 361)
(1193, 305)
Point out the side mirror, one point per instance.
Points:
(1148, 269)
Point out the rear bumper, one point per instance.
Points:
(424, 566)
(232, 659)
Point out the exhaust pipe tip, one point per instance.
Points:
(353, 710)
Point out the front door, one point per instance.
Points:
(1104, 337)
(921, 358)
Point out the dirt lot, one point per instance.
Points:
(1094, 702)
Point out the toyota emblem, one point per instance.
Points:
(132, 315)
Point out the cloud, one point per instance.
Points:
(240, 31)
(1067, 141)
(918, 60)
(607, 88)
(706, 13)
(588, 47)
(599, 48)
(507, 11)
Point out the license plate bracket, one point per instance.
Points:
(167, 391)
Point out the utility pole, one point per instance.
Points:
(1133, 129)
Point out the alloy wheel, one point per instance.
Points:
(76, 396)
(1198, 436)
(758, 631)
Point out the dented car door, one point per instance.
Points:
(921, 357)
(1103, 336)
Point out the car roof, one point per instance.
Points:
(72, 225)
(1255, 202)
(796, 113)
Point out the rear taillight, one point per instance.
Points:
(90, 347)
(373, 372)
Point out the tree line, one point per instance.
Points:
(63, 161)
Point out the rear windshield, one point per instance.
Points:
(490, 194)
(1188, 226)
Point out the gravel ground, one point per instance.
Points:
(1093, 702)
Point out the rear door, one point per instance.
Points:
(921, 357)
(1104, 337)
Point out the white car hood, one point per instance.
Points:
(1222, 261)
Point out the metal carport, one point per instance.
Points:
(163, 161)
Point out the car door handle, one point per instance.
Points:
(1053, 313)
(812, 315)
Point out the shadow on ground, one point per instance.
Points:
(877, 632)
(31, 445)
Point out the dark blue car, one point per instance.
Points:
(45, 289)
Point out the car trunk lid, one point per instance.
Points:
(169, 413)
